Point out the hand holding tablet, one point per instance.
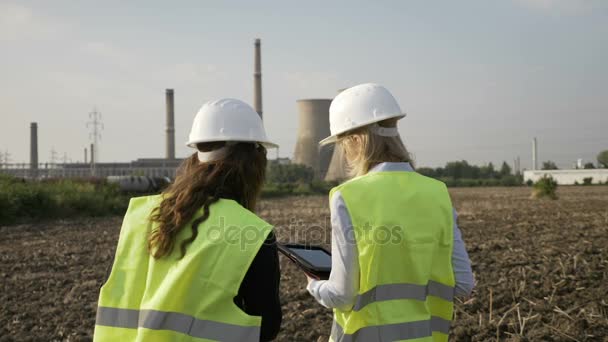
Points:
(313, 260)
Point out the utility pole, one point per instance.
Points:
(53, 156)
(7, 158)
(96, 126)
(53, 162)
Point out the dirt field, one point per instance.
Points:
(541, 268)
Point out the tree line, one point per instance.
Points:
(461, 173)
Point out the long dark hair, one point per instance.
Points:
(238, 176)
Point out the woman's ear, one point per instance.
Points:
(354, 142)
(351, 145)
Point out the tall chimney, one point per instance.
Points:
(534, 155)
(34, 150)
(85, 155)
(93, 160)
(170, 144)
(257, 79)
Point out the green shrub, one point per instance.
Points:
(529, 182)
(302, 189)
(587, 180)
(510, 180)
(21, 200)
(545, 187)
(271, 190)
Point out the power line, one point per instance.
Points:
(53, 156)
(96, 126)
(65, 158)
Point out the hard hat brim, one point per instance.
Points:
(329, 140)
(266, 144)
(334, 137)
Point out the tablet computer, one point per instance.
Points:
(314, 260)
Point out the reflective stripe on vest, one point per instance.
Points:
(177, 322)
(404, 291)
(392, 332)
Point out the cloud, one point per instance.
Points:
(311, 82)
(109, 52)
(18, 22)
(193, 72)
(570, 7)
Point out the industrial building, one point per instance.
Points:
(569, 177)
(564, 177)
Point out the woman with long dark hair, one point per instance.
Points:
(195, 262)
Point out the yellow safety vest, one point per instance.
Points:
(403, 226)
(188, 299)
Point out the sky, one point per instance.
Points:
(477, 79)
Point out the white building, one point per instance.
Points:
(569, 177)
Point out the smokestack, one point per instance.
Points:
(257, 79)
(34, 150)
(170, 144)
(534, 155)
(313, 127)
(92, 155)
(85, 155)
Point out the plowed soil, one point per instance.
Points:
(541, 268)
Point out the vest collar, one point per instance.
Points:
(387, 167)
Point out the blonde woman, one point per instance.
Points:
(398, 258)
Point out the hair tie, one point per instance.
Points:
(217, 154)
(384, 131)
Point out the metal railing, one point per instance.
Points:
(49, 170)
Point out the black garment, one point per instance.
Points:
(259, 291)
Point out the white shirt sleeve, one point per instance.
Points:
(461, 264)
(341, 289)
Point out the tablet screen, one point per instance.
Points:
(316, 257)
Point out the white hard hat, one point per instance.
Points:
(359, 106)
(228, 120)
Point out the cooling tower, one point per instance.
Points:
(313, 127)
(34, 150)
(257, 79)
(170, 143)
(337, 166)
